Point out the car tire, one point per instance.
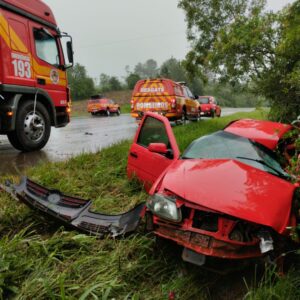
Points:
(31, 132)
(118, 112)
(219, 115)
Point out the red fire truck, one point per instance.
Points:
(34, 92)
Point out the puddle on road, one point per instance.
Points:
(16, 163)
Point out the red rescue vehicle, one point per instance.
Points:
(171, 99)
(34, 93)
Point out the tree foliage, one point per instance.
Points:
(175, 70)
(282, 81)
(109, 83)
(149, 69)
(131, 80)
(242, 42)
(81, 85)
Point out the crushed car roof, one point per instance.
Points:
(264, 132)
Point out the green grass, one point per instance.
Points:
(41, 260)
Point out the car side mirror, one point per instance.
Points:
(70, 52)
(158, 148)
(161, 148)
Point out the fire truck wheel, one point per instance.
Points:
(32, 130)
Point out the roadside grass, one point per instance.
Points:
(42, 260)
(273, 286)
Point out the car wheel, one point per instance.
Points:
(118, 112)
(32, 130)
(219, 115)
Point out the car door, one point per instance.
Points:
(218, 109)
(192, 105)
(146, 165)
(47, 62)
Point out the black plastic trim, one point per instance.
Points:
(72, 211)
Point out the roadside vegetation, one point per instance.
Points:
(82, 86)
(244, 42)
(42, 260)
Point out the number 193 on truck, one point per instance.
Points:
(34, 93)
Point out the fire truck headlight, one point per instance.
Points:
(164, 207)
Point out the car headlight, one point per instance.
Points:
(165, 207)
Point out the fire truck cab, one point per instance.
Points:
(34, 93)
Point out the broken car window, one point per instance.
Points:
(153, 131)
(225, 145)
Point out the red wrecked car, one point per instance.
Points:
(226, 196)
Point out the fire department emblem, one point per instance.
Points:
(54, 76)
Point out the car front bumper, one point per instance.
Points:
(72, 211)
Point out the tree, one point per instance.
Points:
(115, 84)
(148, 69)
(109, 83)
(104, 84)
(282, 81)
(81, 85)
(175, 70)
(241, 42)
(131, 80)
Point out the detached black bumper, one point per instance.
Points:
(74, 212)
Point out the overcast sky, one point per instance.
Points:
(110, 34)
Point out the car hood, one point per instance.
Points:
(233, 188)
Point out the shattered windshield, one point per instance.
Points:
(225, 145)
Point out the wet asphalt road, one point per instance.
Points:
(86, 134)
